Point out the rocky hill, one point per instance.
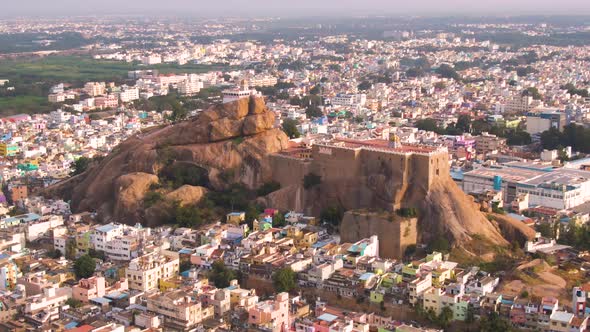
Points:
(237, 143)
(442, 208)
(228, 143)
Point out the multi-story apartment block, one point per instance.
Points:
(94, 89)
(272, 315)
(145, 272)
(179, 309)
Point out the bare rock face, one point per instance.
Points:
(225, 128)
(187, 194)
(208, 140)
(444, 210)
(130, 190)
(258, 123)
(447, 210)
(514, 230)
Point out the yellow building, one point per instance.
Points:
(303, 238)
(235, 218)
(8, 150)
(83, 242)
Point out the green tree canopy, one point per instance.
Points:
(332, 215)
(220, 275)
(447, 71)
(290, 128)
(84, 267)
(364, 86)
(284, 280)
(80, 165)
(428, 124)
(464, 123)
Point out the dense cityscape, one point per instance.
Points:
(389, 174)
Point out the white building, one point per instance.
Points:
(349, 100)
(151, 59)
(190, 87)
(129, 94)
(559, 188)
(144, 273)
(36, 229)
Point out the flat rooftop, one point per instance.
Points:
(383, 145)
(507, 173)
(561, 176)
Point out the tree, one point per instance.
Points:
(284, 280)
(16, 211)
(518, 137)
(151, 198)
(55, 254)
(80, 165)
(493, 323)
(551, 139)
(547, 229)
(464, 123)
(364, 86)
(524, 71)
(470, 316)
(332, 215)
(447, 71)
(221, 275)
(84, 267)
(187, 216)
(74, 303)
(441, 244)
(290, 128)
(533, 92)
(445, 317)
(316, 90)
(428, 124)
(71, 249)
(278, 220)
(313, 111)
(415, 72)
(267, 188)
(311, 180)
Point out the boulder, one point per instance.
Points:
(224, 128)
(187, 195)
(130, 190)
(258, 123)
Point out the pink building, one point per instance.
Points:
(271, 314)
(94, 287)
(108, 101)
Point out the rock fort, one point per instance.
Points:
(381, 175)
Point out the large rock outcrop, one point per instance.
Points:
(373, 177)
(230, 141)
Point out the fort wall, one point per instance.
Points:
(395, 233)
(289, 171)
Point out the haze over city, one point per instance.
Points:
(307, 166)
(298, 8)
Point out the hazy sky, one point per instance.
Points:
(294, 7)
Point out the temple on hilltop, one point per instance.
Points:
(243, 91)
